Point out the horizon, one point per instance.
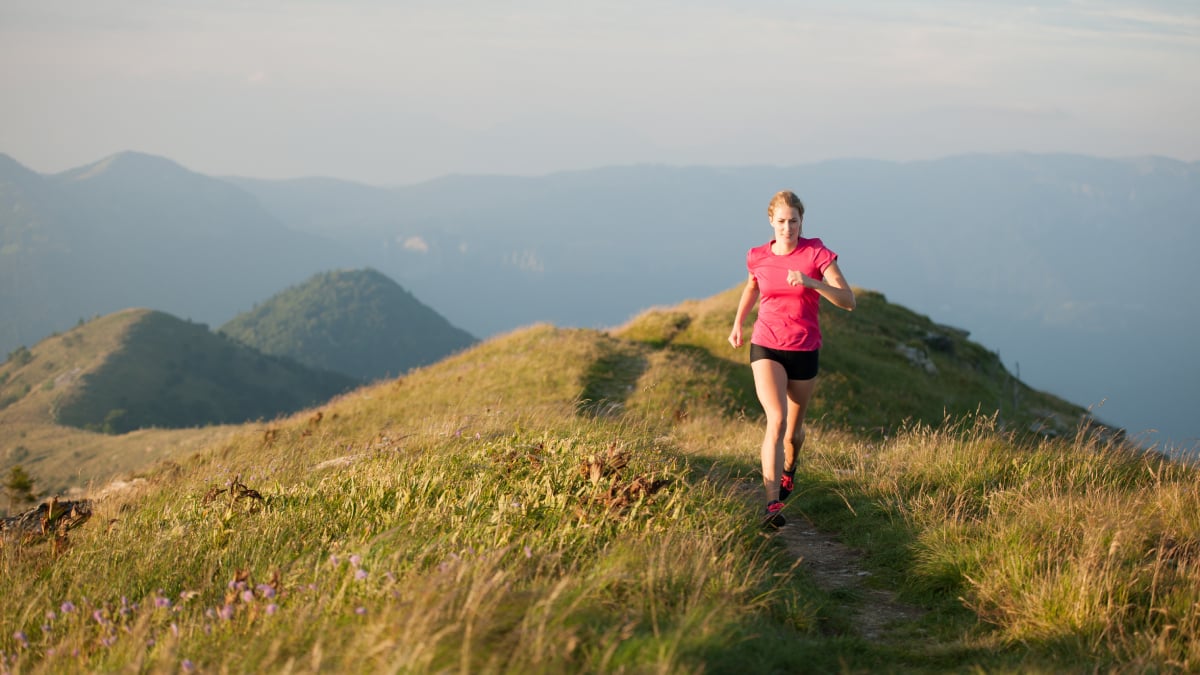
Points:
(385, 95)
(602, 167)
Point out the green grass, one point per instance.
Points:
(563, 500)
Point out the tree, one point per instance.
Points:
(19, 487)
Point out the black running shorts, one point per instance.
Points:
(797, 365)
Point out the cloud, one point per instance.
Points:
(416, 244)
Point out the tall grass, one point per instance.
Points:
(1079, 549)
(392, 538)
(568, 501)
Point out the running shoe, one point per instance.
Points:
(772, 516)
(787, 483)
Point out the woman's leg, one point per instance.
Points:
(799, 393)
(771, 384)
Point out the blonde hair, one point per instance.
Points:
(785, 197)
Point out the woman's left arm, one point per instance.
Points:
(833, 288)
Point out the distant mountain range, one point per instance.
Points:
(1074, 269)
(359, 323)
(138, 231)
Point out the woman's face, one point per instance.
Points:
(786, 222)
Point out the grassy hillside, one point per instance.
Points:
(561, 500)
(133, 370)
(357, 322)
(173, 373)
(882, 367)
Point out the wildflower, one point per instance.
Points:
(109, 641)
(356, 560)
(67, 607)
(272, 608)
(50, 615)
(333, 559)
(361, 611)
(360, 574)
(226, 612)
(528, 552)
(20, 636)
(266, 590)
(98, 615)
(161, 602)
(188, 666)
(247, 595)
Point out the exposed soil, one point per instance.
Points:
(836, 568)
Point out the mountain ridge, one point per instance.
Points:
(357, 322)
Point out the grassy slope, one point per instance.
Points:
(62, 458)
(163, 371)
(866, 385)
(446, 521)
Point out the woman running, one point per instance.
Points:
(789, 274)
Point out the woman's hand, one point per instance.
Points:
(735, 336)
(797, 278)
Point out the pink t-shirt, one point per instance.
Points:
(788, 315)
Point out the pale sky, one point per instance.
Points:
(400, 92)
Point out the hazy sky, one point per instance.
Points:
(398, 92)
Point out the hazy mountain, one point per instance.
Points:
(360, 323)
(140, 368)
(135, 230)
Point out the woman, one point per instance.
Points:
(789, 274)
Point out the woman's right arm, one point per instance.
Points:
(749, 297)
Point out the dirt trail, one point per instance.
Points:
(837, 567)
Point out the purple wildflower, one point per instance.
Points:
(528, 552)
(161, 602)
(272, 608)
(20, 636)
(188, 666)
(98, 615)
(356, 560)
(361, 611)
(333, 559)
(226, 612)
(360, 574)
(247, 595)
(266, 590)
(67, 607)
